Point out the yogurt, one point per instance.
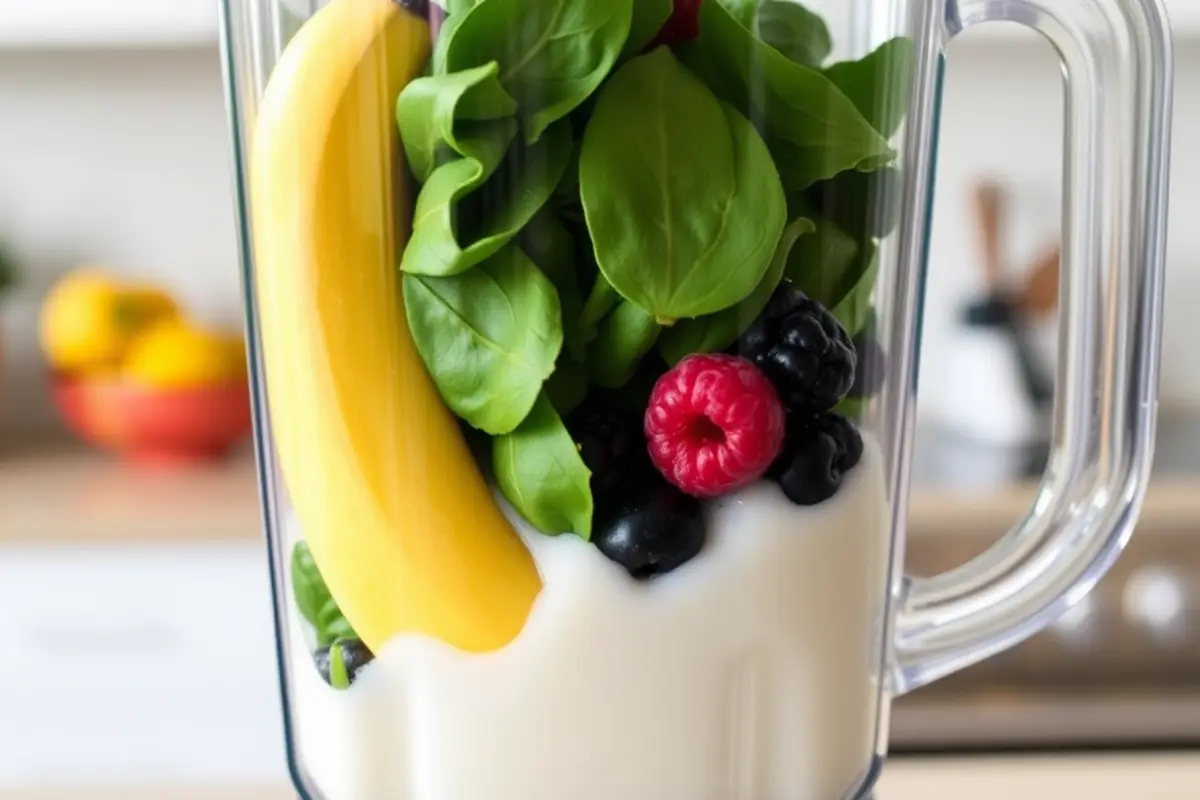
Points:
(750, 673)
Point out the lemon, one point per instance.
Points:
(88, 320)
(175, 354)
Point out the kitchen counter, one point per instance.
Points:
(1099, 777)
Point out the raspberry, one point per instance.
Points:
(682, 26)
(714, 424)
(803, 349)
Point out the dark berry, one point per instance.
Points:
(613, 448)
(803, 349)
(354, 656)
(817, 454)
(653, 533)
(714, 424)
(682, 26)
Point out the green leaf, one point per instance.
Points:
(568, 386)
(313, 599)
(853, 308)
(623, 338)
(489, 337)
(649, 16)
(819, 264)
(429, 109)
(540, 472)
(879, 83)
(550, 245)
(813, 130)
(864, 204)
(552, 53)
(853, 407)
(683, 204)
(716, 332)
(787, 26)
(600, 302)
(472, 207)
(339, 676)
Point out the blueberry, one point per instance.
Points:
(817, 454)
(654, 534)
(355, 655)
(803, 349)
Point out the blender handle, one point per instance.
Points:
(1117, 60)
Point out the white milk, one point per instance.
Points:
(747, 674)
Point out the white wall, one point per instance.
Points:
(120, 158)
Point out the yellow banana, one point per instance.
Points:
(398, 516)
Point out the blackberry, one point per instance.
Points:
(803, 349)
(613, 447)
(354, 656)
(817, 454)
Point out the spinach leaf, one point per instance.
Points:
(649, 16)
(879, 83)
(623, 338)
(813, 130)
(550, 245)
(568, 386)
(429, 108)
(540, 472)
(472, 207)
(787, 26)
(552, 53)
(853, 308)
(339, 676)
(489, 337)
(315, 603)
(716, 332)
(682, 202)
(819, 264)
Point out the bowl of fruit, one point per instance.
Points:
(132, 374)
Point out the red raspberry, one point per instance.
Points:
(714, 424)
(682, 26)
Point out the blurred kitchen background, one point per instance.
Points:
(134, 602)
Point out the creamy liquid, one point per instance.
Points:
(747, 674)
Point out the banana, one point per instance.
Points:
(399, 518)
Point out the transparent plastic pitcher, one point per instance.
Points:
(584, 335)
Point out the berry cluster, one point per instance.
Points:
(718, 422)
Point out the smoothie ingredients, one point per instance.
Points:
(714, 424)
(399, 517)
(804, 350)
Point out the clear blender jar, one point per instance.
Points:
(584, 343)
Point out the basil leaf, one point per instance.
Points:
(819, 264)
(540, 472)
(313, 599)
(489, 337)
(550, 245)
(623, 338)
(813, 130)
(787, 26)
(879, 83)
(864, 204)
(853, 308)
(429, 108)
(552, 53)
(472, 207)
(649, 17)
(568, 386)
(601, 301)
(682, 202)
(716, 332)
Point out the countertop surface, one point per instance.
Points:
(1098, 777)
